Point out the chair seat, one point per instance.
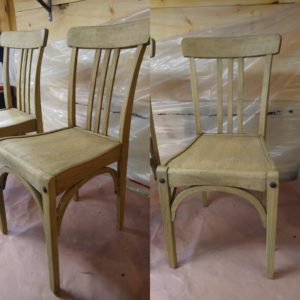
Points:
(14, 122)
(225, 160)
(69, 155)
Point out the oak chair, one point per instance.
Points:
(63, 160)
(233, 162)
(21, 120)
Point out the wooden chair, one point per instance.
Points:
(63, 160)
(21, 120)
(233, 162)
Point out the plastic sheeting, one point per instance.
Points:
(171, 91)
(54, 94)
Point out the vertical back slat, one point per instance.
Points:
(7, 92)
(195, 95)
(110, 85)
(23, 78)
(129, 94)
(37, 90)
(240, 91)
(19, 83)
(265, 95)
(72, 89)
(27, 81)
(92, 88)
(230, 96)
(102, 81)
(220, 94)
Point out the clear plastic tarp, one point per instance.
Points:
(171, 91)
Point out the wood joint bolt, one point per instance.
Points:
(162, 180)
(45, 190)
(273, 185)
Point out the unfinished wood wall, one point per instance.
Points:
(175, 17)
(7, 15)
(70, 13)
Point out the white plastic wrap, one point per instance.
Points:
(12, 69)
(171, 91)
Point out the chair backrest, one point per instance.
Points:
(108, 41)
(30, 44)
(232, 49)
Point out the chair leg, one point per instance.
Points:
(122, 171)
(272, 205)
(165, 202)
(3, 221)
(76, 196)
(5, 175)
(50, 229)
(204, 199)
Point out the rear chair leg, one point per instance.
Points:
(121, 192)
(3, 222)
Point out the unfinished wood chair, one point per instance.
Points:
(22, 119)
(233, 162)
(62, 161)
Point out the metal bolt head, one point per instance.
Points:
(273, 185)
(162, 180)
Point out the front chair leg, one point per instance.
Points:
(50, 229)
(3, 222)
(272, 205)
(121, 192)
(165, 203)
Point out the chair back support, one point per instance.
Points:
(231, 50)
(29, 44)
(108, 42)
